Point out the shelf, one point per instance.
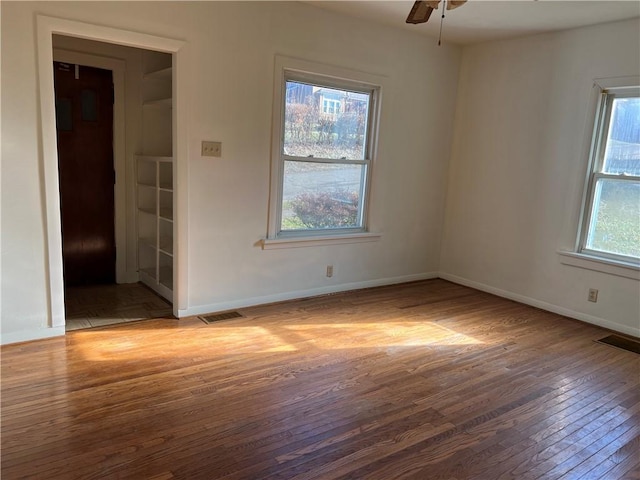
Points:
(148, 242)
(163, 74)
(155, 179)
(159, 102)
(146, 174)
(165, 176)
(166, 277)
(154, 158)
(166, 214)
(166, 245)
(148, 211)
(149, 272)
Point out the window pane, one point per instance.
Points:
(622, 154)
(319, 195)
(615, 224)
(325, 122)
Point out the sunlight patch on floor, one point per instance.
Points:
(380, 335)
(221, 340)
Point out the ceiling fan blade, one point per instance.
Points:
(420, 12)
(451, 4)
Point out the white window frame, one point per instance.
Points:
(580, 256)
(596, 164)
(290, 69)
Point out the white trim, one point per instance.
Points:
(46, 27)
(123, 179)
(600, 264)
(298, 294)
(600, 322)
(29, 335)
(48, 152)
(318, 240)
(607, 83)
(180, 93)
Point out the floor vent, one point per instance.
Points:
(621, 342)
(216, 317)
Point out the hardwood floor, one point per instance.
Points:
(428, 380)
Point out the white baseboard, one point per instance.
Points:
(28, 335)
(281, 297)
(600, 322)
(43, 333)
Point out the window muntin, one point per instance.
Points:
(331, 107)
(612, 214)
(325, 155)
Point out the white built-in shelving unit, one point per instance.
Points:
(155, 175)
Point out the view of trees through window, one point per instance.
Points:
(615, 218)
(325, 151)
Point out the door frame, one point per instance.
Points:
(46, 28)
(117, 68)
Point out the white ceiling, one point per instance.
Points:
(484, 20)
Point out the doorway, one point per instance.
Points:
(84, 100)
(47, 28)
(100, 274)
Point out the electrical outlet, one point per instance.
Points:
(329, 270)
(211, 149)
(593, 295)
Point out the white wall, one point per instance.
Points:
(230, 68)
(518, 168)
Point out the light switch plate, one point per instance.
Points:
(211, 149)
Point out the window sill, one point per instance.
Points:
(599, 264)
(317, 241)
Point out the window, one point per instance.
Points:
(611, 221)
(330, 107)
(323, 149)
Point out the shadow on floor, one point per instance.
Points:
(100, 305)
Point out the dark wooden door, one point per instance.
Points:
(84, 124)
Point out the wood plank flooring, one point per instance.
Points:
(427, 380)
